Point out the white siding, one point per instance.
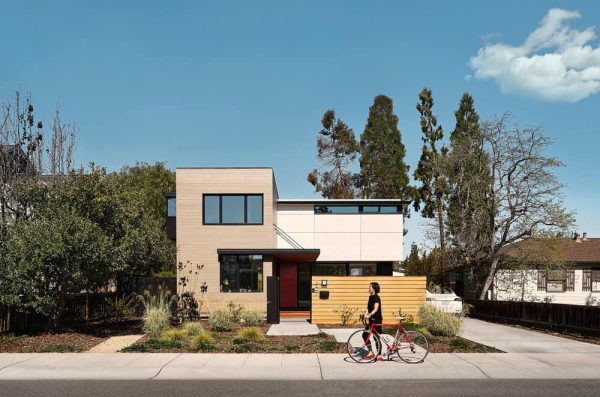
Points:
(508, 287)
(342, 237)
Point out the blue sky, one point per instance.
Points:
(228, 83)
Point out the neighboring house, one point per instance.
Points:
(232, 231)
(573, 282)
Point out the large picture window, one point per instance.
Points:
(595, 276)
(241, 273)
(560, 280)
(232, 209)
(331, 269)
(358, 209)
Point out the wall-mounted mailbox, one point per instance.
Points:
(323, 294)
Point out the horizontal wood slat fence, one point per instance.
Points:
(406, 293)
(575, 318)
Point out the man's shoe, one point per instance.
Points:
(380, 358)
(368, 357)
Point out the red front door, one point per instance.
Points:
(288, 285)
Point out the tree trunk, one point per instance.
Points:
(442, 237)
(489, 279)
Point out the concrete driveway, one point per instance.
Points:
(518, 340)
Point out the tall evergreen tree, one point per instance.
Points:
(337, 151)
(470, 183)
(383, 172)
(430, 197)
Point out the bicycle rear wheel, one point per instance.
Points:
(413, 347)
(363, 351)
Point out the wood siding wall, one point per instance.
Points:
(197, 244)
(407, 293)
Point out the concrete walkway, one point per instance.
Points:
(519, 340)
(15, 366)
(116, 343)
(293, 327)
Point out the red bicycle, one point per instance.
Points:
(411, 346)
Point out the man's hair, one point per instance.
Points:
(376, 287)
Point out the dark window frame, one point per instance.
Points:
(262, 274)
(245, 195)
(399, 209)
(593, 275)
(568, 280)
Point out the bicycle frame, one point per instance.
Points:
(393, 347)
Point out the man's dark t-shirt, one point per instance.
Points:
(377, 318)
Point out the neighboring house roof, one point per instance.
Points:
(574, 250)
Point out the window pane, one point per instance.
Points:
(336, 209)
(211, 209)
(388, 209)
(255, 209)
(233, 209)
(171, 206)
(241, 273)
(330, 269)
(363, 269)
(370, 209)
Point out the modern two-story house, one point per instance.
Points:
(232, 231)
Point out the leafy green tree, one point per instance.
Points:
(337, 150)
(383, 172)
(421, 263)
(48, 257)
(431, 196)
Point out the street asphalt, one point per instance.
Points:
(345, 388)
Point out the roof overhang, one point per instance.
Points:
(281, 254)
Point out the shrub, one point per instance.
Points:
(121, 307)
(156, 321)
(438, 322)
(220, 320)
(203, 340)
(590, 300)
(156, 313)
(345, 312)
(174, 335)
(251, 317)
(235, 311)
(193, 328)
(250, 333)
(328, 345)
(152, 344)
(292, 348)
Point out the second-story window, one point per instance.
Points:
(232, 209)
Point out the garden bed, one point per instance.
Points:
(231, 342)
(74, 338)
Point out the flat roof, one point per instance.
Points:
(304, 254)
(344, 201)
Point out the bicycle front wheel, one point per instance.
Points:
(363, 351)
(413, 347)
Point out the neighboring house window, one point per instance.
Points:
(587, 280)
(363, 269)
(541, 281)
(241, 273)
(595, 280)
(358, 209)
(560, 280)
(232, 209)
(331, 269)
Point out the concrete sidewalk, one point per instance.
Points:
(519, 340)
(15, 366)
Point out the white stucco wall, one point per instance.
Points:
(508, 287)
(342, 237)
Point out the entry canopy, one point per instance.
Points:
(281, 254)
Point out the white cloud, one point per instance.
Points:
(555, 63)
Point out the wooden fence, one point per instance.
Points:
(78, 307)
(574, 318)
(406, 293)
